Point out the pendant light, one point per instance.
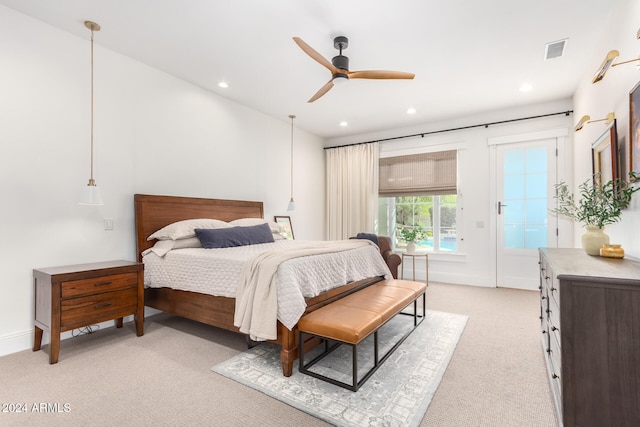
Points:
(91, 193)
(292, 203)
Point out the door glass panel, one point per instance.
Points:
(525, 198)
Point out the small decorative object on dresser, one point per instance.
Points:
(612, 251)
(74, 296)
(589, 317)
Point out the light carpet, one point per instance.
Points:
(398, 393)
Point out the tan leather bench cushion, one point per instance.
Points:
(354, 317)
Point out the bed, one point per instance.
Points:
(152, 212)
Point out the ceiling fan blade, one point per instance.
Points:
(379, 74)
(324, 89)
(315, 55)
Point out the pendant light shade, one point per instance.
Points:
(91, 193)
(292, 203)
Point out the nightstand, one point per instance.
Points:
(74, 296)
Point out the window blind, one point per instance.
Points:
(422, 174)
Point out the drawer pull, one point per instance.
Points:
(553, 289)
(553, 328)
(543, 297)
(102, 283)
(554, 376)
(102, 305)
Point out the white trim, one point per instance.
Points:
(524, 137)
(405, 151)
(20, 341)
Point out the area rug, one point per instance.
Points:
(398, 393)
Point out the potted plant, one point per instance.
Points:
(411, 235)
(599, 205)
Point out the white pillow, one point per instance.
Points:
(244, 222)
(163, 246)
(184, 229)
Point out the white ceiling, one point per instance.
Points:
(469, 56)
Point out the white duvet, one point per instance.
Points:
(217, 272)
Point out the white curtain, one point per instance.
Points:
(352, 190)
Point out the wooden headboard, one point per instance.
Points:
(154, 212)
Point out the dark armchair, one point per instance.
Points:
(392, 259)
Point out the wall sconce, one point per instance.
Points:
(587, 119)
(91, 193)
(292, 203)
(608, 63)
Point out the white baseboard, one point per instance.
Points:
(23, 340)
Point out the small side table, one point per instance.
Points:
(74, 296)
(413, 256)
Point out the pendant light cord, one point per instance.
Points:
(91, 181)
(292, 117)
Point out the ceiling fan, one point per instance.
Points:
(339, 67)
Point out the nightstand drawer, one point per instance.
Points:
(99, 284)
(81, 311)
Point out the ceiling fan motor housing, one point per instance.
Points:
(341, 62)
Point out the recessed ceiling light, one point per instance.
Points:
(223, 84)
(344, 124)
(526, 87)
(411, 110)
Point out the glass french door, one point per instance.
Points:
(526, 177)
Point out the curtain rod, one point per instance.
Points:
(485, 125)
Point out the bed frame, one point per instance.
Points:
(154, 212)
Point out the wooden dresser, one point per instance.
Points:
(590, 320)
(70, 297)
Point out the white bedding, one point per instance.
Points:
(217, 272)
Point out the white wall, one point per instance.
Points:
(611, 95)
(474, 264)
(154, 134)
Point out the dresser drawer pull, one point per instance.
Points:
(102, 305)
(554, 376)
(553, 289)
(553, 328)
(103, 283)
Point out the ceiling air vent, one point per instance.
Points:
(554, 49)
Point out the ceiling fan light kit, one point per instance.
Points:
(339, 67)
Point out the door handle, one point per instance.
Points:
(500, 206)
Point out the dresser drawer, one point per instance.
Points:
(96, 308)
(99, 284)
(545, 278)
(554, 289)
(554, 350)
(554, 313)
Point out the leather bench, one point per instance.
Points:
(351, 319)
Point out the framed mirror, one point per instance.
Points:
(604, 155)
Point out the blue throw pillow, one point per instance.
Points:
(234, 236)
(368, 236)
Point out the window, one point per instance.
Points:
(420, 192)
(435, 215)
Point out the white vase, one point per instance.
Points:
(411, 247)
(593, 239)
